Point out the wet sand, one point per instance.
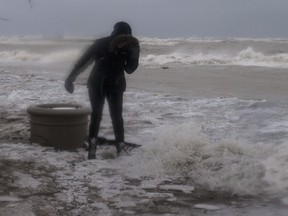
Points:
(256, 83)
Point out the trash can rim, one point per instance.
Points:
(48, 109)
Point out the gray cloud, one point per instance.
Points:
(156, 18)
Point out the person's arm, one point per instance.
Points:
(80, 66)
(132, 61)
(128, 45)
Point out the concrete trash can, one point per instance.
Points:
(63, 126)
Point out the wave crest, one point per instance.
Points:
(228, 165)
(53, 57)
(246, 57)
(19, 55)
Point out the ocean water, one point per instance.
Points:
(231, 149)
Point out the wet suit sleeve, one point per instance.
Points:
(83, 62)
(128, 45)
(132, 60)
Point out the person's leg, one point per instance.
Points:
(97, 103)
(115, 102)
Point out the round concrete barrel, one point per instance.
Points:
(63, 126)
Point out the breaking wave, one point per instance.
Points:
(53, 57)
(177, 52)
(246, 57)
(228, 165)
(19, 55)
(175, 41)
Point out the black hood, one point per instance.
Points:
(121, 28)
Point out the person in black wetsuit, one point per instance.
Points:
(112, 56)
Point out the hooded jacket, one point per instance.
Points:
(107, 75)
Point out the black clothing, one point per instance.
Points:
(122, 28)
(107, 79)
(115, 102)
(107, 74)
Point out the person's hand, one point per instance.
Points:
(69, 86)
(122, 42)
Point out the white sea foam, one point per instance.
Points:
(178, 52)
(29, 40)
(228, 165)
(159, 41)
(174, 41)
(183, 59)
(25, 180)
(246, 57)
(43, 40)
(250, 57)
(61, 56)
(18, 40)
(19, 55)
(208, 207)
(27, 56)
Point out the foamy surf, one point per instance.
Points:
(19, 55)
(227, 165)
(245, 57)
(171, 52)
(27, 56)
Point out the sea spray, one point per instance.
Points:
(229, 165)
(155, 52)
(250, 57)
(276, 169)
(53, 57)
(18, 55)
(186, 58)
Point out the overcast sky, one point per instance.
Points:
(152, 18)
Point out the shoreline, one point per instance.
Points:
(255, 83)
